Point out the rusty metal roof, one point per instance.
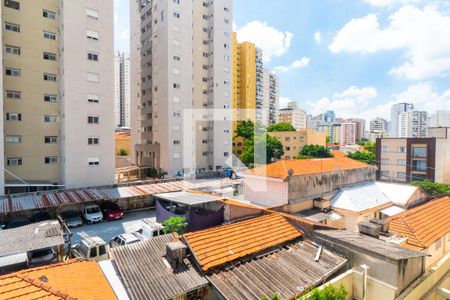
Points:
(288, 271)
(21, 202)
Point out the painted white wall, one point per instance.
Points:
(74, 88)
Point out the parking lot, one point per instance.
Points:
(108, 229)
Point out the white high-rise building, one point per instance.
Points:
(181, 84)
(348, 133)
(294, 115)
(58, 87)
(271, 97)
(413, 124)
(378, 129)
(440, 119)
(122, 93)
(396, 110)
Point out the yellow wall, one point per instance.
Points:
(293, 141)
(244, 81)
(32, 128)
(123, 141)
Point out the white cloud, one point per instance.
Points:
(423, 34)
(273, 42)
(297, 64)
(125, 34)
(381, 3)
(318, 37)
(284, 102)
(348, 103)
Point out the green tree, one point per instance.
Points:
(328, 139)
(280, 127)
(366, 157)
(362, 141)
(370, 147)
(433, 188)
(123, 152)
(274, 297)
(274, 149)
(314, 151)
(245, 129)
(175, 224)
(329, 292)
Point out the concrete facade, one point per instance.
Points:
(181, 84)
(396, 110)
(59, 86)
(413, 124)
(122, 92)
(292, 115)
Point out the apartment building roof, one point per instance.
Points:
(31, 237)
(307, 166)
(424, 224)
(29, 201)
(146, 274)
(187, 198)
(288, 271)
(73, 279)
(227, 243)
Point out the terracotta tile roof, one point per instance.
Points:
(73, 279)
(307, 166)
(424, 224)
(338, 153)
(222, 244)
(238, 203)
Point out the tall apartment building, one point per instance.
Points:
(293, 115)
(122, 92)
(440, 119)
(348, 133)
(396, 111)
(2, 146)
(415, 159)
(413, 124)
(360, 127)
(271, 96)
(58, 89)
(181, 63)
(378, 129)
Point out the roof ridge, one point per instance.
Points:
(51, 266)
(46, 287)
(422, 244)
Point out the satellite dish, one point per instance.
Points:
(290, 172)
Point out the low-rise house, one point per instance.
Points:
(149, 272)
(294, 141)
(257, 257)
(72, 279)
(389, 263)
(425, 228)
(298, 182)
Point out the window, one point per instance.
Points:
(176, 58)
(13, 117)
(401, 149)
(176, 1)
(50, 119)
(401, 175)
(14, 139)
(92, 35)
(176, 85)
(102, 250)
(384, 161)
(419, 152)
(12, 50)
(176, 114)
(401, 162)
(12, 27)
(48, 14)
(14, 161)
(385, 149)
(176, 71)
(226, 8)
(93, 119)
(93, 161)
(49, 77)
(51, 140)
(176, 142)
(93, 141)
(384, 174)
(91, 14)
(13, 95)
(49, 56)
(93, 98)
(93, 77)
(92, 56)
(226, 154)
(50, 35)
(93, 252)
(176, 155)
(50, 98)
(12, 72)
(176, 14)
(12, 4)
(419, 165)
(51, 160)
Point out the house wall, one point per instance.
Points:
(265, 192)
(315, 185)
(437, 250)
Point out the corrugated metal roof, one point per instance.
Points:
(15, 203)
(360, 198)
(288, 271)
(189, 198)
(145, 275)
(30, 237)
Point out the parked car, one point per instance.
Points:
(16, 222)
(91, 248)
(71, 218)
(123, 239)
(42, 257)
(149, 230)
(111, 211)
(40, 216)
(91, 213)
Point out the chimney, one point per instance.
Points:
(175, 253)
(369, 229)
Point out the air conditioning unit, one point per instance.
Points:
(369, 229)
(322, 204)
(384, 224)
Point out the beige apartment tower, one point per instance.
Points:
(58, 98)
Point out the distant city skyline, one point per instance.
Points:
(324, 64)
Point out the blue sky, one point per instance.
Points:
(356, 57)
